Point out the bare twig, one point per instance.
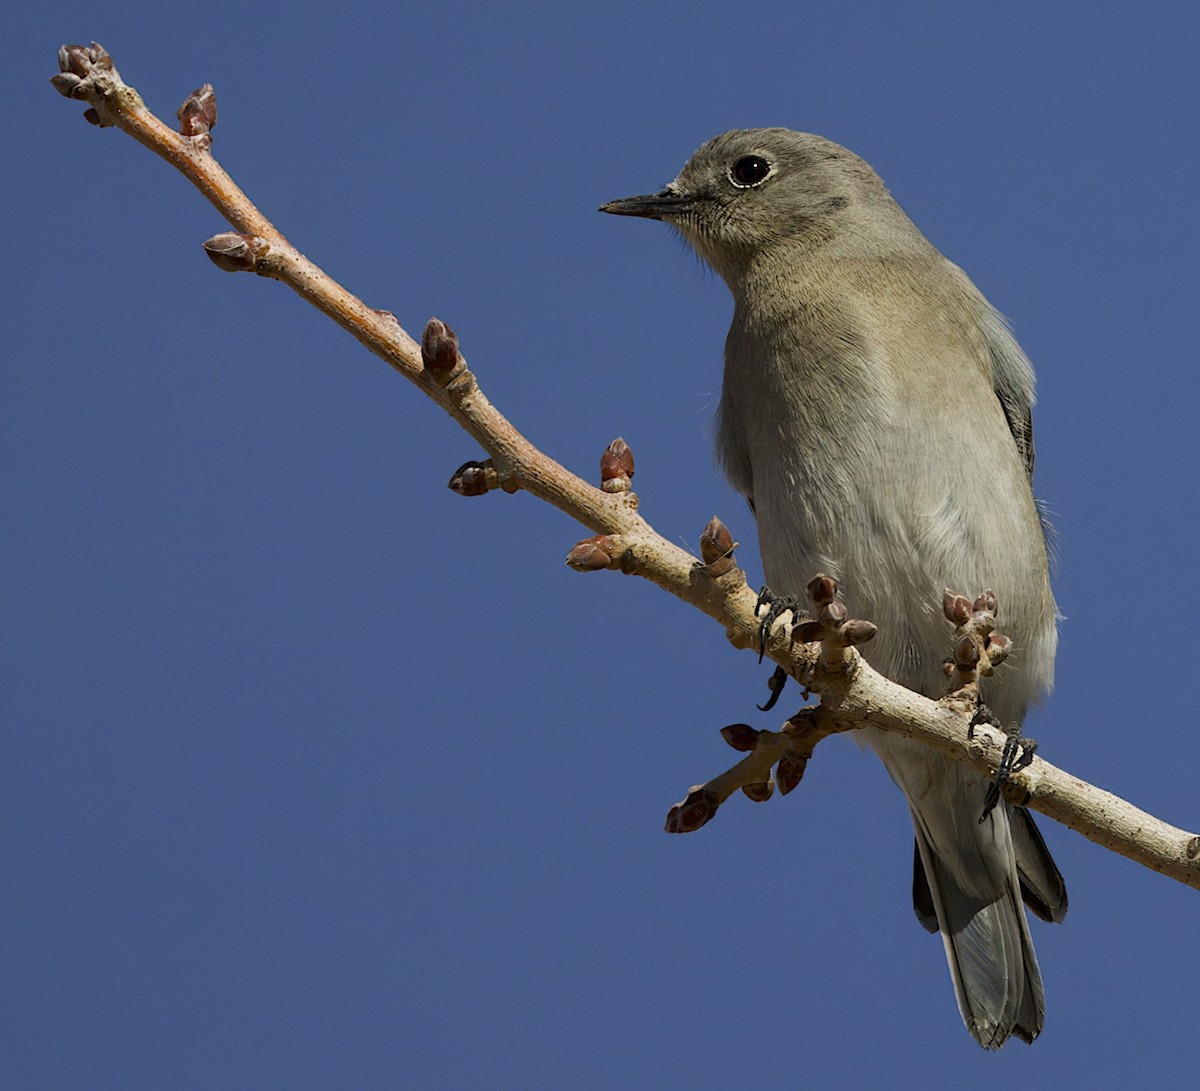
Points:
(852, 694)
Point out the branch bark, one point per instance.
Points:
(852, 693)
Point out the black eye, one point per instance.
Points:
(750, 170)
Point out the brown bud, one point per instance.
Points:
(822, 589)
(198, 114)
(998, 647)
(799, 723)
(759, 793)
(75, 60)
(956, 608)
(789, 772)
(474, 478)
(80, 59)
(716, 547)
(740, 736)
(807, 632)
(616, 467)
(236, 253)
(833, 614)
(77, 65)
(439, 351)
(594, 554)
(966, 653)
(693, 812)
(65, 83)
(986, 602)
(858, 631)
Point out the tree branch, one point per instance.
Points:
(852, 694)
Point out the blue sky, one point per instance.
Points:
(316, 775)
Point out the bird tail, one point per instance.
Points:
(988, 946)
(969, 879)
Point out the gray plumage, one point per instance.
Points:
(875, 411)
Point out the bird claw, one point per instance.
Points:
(775, 684)
(1017, 755)
(983, 715)
(777, 606)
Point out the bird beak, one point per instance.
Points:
(654, 206)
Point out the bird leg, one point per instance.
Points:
(1017, 754)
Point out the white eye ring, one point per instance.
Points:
(749, 171)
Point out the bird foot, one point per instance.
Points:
(1017, 754)
(776, 607)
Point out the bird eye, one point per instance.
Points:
(749, 171)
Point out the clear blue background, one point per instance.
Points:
(315, 775)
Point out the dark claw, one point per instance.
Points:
(1018, 753)
(983, 715)
(777, 606)
(775, 684)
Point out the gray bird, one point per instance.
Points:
(875, 412)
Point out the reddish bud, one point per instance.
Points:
(593, 554)
(759, 793)
(998, 647)
(474, 478)
(986, 602)
(198, 114)
(789, 772)
(236, 253)
(716, 547)
(79, 60)
(808, 632)
(439, 351)
(616, 467)
(822, 590)
(858, 631)
(78, 64)
(833, 614)
(693, 812)
(956, 608)
(740, 736)
(75, 59)
(799, 723)
(966, 653)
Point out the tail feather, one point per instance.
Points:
(968, 882)
(990, 954)
(1042, 884)
(1042, 887)
(922, 896)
